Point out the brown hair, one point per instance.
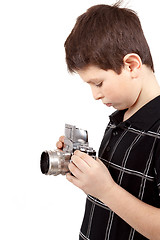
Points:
(102, 36)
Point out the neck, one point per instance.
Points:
(150, 89)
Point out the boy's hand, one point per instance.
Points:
(90, 175)
(60, 143)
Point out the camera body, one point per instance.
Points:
(56, 162)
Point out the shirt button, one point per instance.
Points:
(115, 133)
(108, 149)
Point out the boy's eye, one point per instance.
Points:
(99, 84)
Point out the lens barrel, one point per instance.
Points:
(44, 163)
(54, 162)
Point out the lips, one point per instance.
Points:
(108, 104)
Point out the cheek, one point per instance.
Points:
(132, 94)
(135, 89)
(107, 89)
(113, 92)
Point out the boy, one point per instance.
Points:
(108, 50)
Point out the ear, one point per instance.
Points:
(133, 63)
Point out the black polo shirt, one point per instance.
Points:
(131, 151)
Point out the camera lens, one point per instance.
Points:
(44, 163)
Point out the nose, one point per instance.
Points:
(97, 94)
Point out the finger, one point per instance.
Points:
(80, 163)
(88, 159)
(73, 180)
(74, 170)
(59, 145)
(61, 139)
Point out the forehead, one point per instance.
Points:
(91, 73)
(94, 74)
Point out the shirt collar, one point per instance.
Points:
(143, 119)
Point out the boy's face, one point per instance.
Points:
(120, 91)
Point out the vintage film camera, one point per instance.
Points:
(56, 162)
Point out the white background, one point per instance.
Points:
(37, 97)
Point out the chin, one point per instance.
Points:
(120, 107)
